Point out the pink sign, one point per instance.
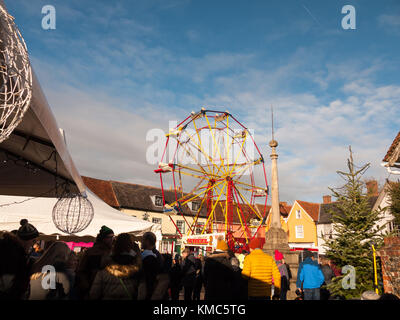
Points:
(72, 244)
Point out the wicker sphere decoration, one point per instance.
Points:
(72, 213)
(15, 76)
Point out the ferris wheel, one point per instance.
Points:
(216, 171)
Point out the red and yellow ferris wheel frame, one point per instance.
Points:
(215, 157)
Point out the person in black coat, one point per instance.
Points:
(218, 274)
(328, 275)
(198, 283)
(152, 262)
(175, 275)
(188, 273)
(239, 286)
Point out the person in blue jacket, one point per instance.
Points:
(311, 278)
(306, 254)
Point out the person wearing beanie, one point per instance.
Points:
(105, 235)
(27, 233)
(285, 285)
(93, 260)
(219, 274)
(259, 269)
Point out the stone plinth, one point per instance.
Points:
(276, 239)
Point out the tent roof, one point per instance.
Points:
(38, 211)
(38, 143)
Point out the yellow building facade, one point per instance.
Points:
(301, 225)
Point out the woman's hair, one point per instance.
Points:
(123, 243)
(58, 253)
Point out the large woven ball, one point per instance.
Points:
(15, 76)
(72, 214)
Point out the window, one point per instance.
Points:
(299, 232)
(158, 201)
(195, 206)
(181, 226)
(199, 227)
(156, 220)
(298, 214)
(327, 230)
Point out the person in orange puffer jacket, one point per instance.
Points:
(259, 268)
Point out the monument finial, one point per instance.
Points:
(273, 143)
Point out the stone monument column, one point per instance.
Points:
(276, 238)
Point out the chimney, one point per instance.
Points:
(372, 188)
(326, 199)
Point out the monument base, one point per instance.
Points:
(277, 239)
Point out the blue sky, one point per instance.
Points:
(112, 70)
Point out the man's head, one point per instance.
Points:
(314, 256)
(185, 253)
(307, 254)
(149, 241)
(27, 233)
(255, 244)
(106, 236)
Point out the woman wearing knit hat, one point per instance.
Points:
(94, 260)
(218, 274)
(284, 274)
(27, 233)
(258, 269)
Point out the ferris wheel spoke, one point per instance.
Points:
(237, 157)
(209, 159)
(192, 175)
(201, 147)
(197, 171)
(247, 166)
(250, 206)
(215, 143)
(193, 157)
(198, 213)
(213, 208)
(241, 224)
(194, 195)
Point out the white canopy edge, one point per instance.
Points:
(38, 211)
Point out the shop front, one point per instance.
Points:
(202, 244)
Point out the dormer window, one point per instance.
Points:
(195, 206)
(298, 214)
(158, 201)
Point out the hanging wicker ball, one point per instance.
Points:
(72, 213)
(15, 76)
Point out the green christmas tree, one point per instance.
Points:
(355, 230)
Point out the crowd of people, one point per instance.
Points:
(116, 268)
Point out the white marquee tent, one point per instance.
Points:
(38, 211)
